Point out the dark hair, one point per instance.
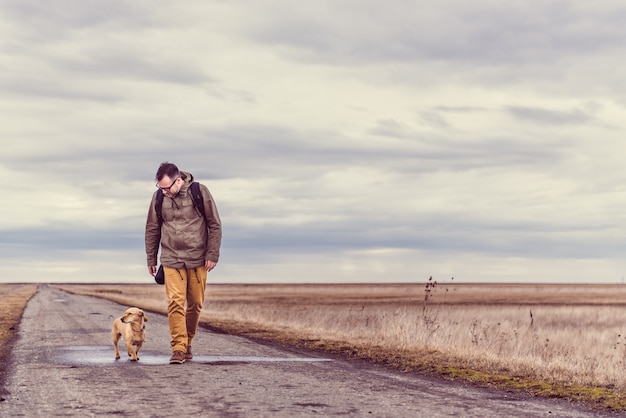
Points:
(167, 169)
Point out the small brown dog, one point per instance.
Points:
(131, 326)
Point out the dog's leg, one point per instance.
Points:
(116, 337)
(137, 348)
(131, 351)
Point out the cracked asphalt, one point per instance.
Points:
(63, 365)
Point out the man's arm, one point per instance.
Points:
(214, 228)
(152, 237)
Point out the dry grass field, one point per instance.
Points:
(552, 340)
(13, 299)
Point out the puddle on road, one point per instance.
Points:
(105, 356)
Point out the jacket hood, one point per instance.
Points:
(188, 177)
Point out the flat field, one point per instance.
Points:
(557, 340)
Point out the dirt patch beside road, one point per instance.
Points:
(14, 298)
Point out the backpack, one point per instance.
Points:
(196, 195)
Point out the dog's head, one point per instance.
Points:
(135, 315)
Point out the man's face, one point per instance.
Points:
(170, 187)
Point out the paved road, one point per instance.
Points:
(63, 365)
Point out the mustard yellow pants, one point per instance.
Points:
(185, 294)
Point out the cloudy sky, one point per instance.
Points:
(343, 140)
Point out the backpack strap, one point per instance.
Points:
(158, 206)
(196, 194)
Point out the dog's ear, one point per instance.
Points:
(126, 315)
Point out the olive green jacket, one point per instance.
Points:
(186, 239)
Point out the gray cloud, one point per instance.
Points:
(48, 22)
(37, 242)
(144, 65)
(483, 34)
(551, 117)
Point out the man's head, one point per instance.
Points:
(168, 179)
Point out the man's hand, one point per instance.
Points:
(209, 265)
(152, 270)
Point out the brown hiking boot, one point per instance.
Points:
(177, 358)
(188, 355)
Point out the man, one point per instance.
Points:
(190, 248)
